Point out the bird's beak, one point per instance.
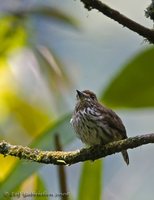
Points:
(80, 94)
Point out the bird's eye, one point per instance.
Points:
(93, 97)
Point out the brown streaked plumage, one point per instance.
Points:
(96, 124)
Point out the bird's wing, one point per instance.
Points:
(113, 121)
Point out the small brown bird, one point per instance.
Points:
(95, 124)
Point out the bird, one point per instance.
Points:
(95, 124)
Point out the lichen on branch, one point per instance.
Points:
(72, 157)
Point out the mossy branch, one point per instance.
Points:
(72, 157)
(121, 19)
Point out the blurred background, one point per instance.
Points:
(48, 49)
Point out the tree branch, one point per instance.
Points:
(121, 19)
(72, 157)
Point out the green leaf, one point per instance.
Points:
(134, 85)
(40, 188)
(56, 14)
(52, 67)
(20, 109)
(55, 75)
(90, 187)
(13, 35)
(49, 12)
(23, 169)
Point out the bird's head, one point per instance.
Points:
(85, 95)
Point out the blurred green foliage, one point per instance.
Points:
(133, 86)
(22, 170)
(12, 34)
(26, 119)
(23, 119)
(90, 186)
(40, 188)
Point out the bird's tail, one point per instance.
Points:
(125, 157)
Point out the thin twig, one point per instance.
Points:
(72, 157)
(61, 172)
(121, 19)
